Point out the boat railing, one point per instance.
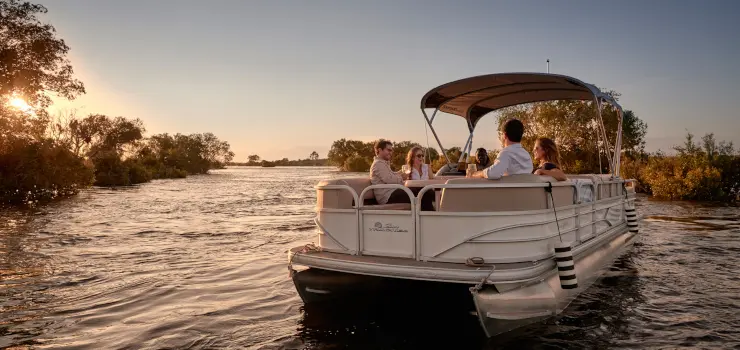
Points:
(509, 235)
(454, 236)
(333, 224)
(387, 231)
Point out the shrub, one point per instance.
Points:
(39, 171)
(137, 172)
(634, 169)
(110, 170)
(356, 163)
(683, 178)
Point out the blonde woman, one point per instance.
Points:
(415, 161)
(420, 171)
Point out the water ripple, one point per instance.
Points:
(199, 263)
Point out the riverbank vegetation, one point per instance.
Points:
(705, 171)
(43, 157)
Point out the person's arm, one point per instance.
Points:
(556, 173)
(385, 174)
(495, 171)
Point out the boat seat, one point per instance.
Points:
(504, 199)
(342, 199)
(389, 206)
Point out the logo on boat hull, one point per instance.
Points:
(379, 227)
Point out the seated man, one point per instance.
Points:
(513, 159)
(381, 173)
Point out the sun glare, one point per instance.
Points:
(19, 104)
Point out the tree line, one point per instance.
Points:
(255, 160)
(44, 157)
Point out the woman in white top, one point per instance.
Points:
(415, 160)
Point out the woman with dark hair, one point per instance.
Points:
(546, 153)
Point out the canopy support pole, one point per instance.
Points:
(618, 144)
(470, 148)
(598, 147)
(429, 122)
(464, 150)
(603, 131)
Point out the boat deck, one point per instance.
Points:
(414, 269)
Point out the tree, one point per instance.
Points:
(34, 165)
(634, 131)
(314, 156)
(400, 151)
(32, 59)
(454, 153)
(99, 133)
(573, 127)
(254, 158)
(215, 151)
(431, 154)
(343, 149)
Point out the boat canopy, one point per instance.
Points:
(472, 98)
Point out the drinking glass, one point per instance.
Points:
(471, 169)
(405, 169)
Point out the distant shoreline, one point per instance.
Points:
(282, 166)
(282, 162)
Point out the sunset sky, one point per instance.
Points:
(284, 78)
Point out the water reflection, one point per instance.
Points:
(421, 319)
(22, 279)
(199, 263)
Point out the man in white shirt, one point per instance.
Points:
(513, 159)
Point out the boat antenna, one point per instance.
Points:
(548, 66)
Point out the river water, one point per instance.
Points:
(201, 263)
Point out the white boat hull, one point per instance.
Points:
(535, 301)
(500, 307)
(505, 247)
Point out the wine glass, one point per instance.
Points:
(405, 169)
(471, 169)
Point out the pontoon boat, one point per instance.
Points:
(523, 247)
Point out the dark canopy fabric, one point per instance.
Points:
(472, 98)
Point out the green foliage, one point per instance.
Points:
(710, 171)
(285, 162)
(167, 156)
(573, 127)
(122, 156)
(33, 60)
(342, 150)
(453, 154)
(138, 172)
(34, 166)
(314, 156)
(41, 158)
(254, 159)
(110, 170)
(345, 152)
(32, 170)
(357, 163)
